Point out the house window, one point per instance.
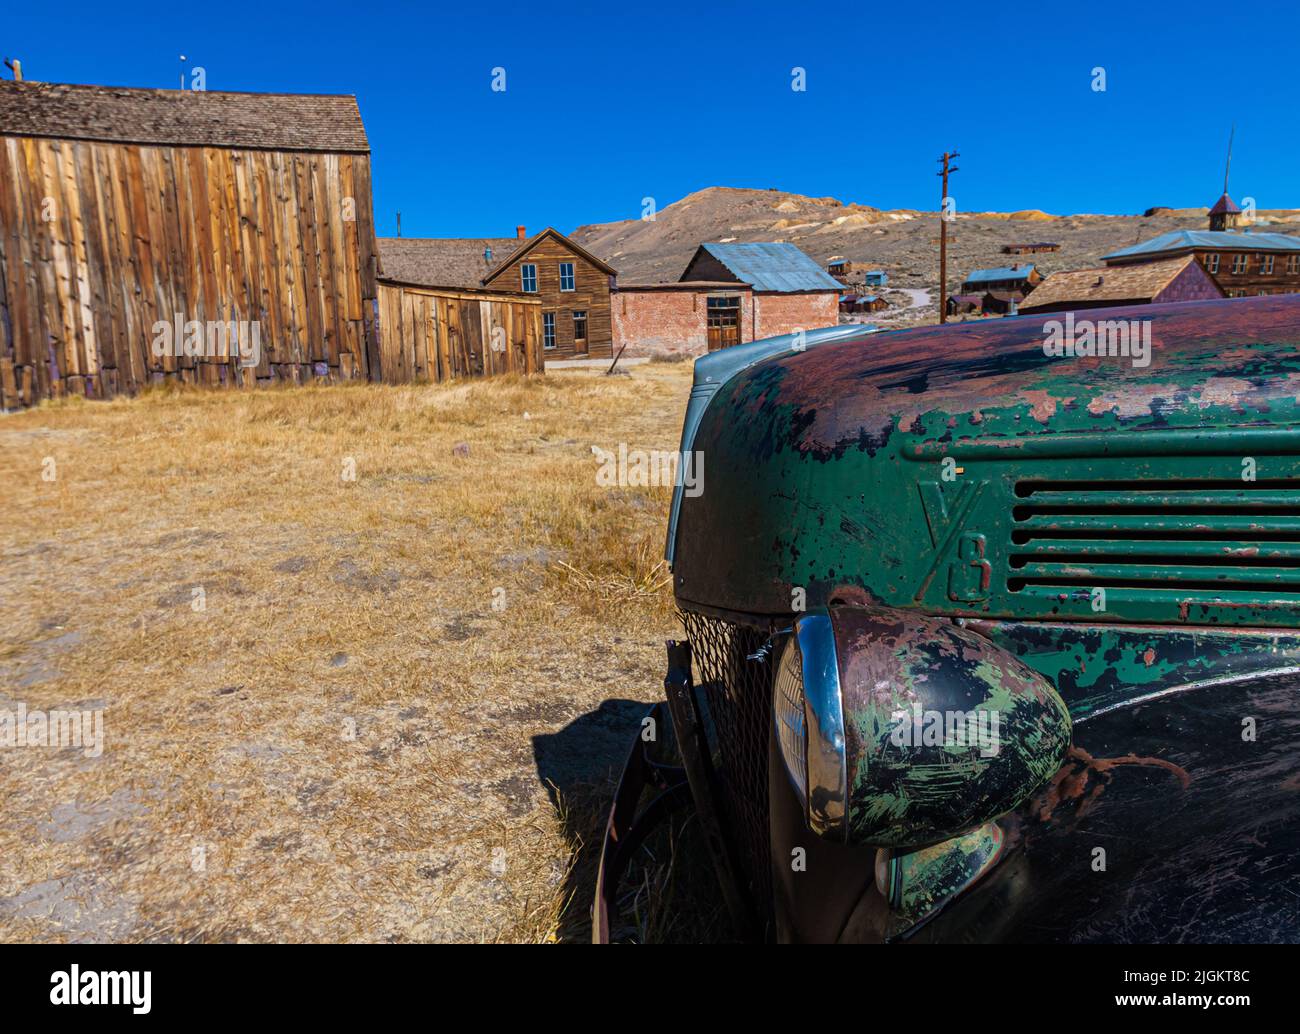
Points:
(548, 329)
(528, 278)
(1266, 263)
(1240, 263)
(1212, 262)
(566, 276)
(1293, 263)
(580, 325)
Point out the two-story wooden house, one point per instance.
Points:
(572, 284)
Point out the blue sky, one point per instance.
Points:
(608, 104)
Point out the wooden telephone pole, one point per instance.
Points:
(943, 235)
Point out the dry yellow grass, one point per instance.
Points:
(349, 741)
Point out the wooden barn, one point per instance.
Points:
(202, 237)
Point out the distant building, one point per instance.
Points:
(1003, 278)
(1002, 303)
(839, 267)
(1030, 249)
(862, 303)
(1241, 263)
(573, 284)
(728, 294)
(965, 304)
(1170, 280)
(875, 278)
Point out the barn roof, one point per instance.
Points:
(1186, 240)
(261, 121)
(1139, 282)
(771, 266)
(442, 261)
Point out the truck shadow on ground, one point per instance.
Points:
(669, 892)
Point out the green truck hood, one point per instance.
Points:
(962, 469)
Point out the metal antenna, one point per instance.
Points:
(1228, 167)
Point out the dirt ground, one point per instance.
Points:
(381, 707)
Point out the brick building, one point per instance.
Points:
(728, 294)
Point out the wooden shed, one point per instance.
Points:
(202, 237)
(439, 333)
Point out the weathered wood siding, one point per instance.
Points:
(435, 334)
(590, 295)
(99, 241)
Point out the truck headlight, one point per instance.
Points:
(810, 723)
(935, 730)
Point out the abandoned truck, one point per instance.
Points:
(991, 632)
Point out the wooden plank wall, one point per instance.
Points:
(99, 241)
(434, 334)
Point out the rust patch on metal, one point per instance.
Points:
(1083, 778)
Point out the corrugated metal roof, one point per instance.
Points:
(1182, 240)
(773, 267)
(980, 276)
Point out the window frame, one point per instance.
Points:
(1212, 262)
(573, 277)
(524, 277)
(548, 332)
(576, 313)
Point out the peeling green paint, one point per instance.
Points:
(892, 470)
(917, 883)
(943, 730)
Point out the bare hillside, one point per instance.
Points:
(904, 243)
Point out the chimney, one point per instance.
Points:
(16, 67)
(487, 255)
(521, 233)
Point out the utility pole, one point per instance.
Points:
(943, 235)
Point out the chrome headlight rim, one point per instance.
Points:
(825, 770)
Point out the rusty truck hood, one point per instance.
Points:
(902, 469)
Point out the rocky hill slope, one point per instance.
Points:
(902, 242)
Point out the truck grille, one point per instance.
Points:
(1225, 539)
(737, 695)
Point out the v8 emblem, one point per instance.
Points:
(969, 573)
